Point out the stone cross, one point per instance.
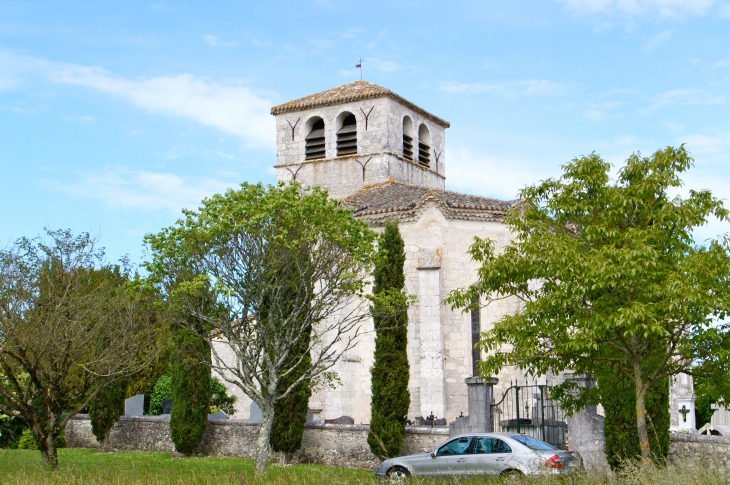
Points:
(684, 412)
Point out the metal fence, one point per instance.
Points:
(529, 410)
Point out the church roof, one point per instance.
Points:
(398, 200)
(346, 93)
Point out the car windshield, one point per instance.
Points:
(532, 443)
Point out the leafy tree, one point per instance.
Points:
(70, 324)
(241, 247)
(105, 409)
(707, 395)
(219, 398)
(390, 371)
(144, 381)
(609, 272)
(190, 385)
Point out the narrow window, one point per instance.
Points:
(424, 146)
(407, 139)
(347, 136)
(476, 331)
(314, 142)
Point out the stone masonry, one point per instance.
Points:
(379, 140)
(330, 444)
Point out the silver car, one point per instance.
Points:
(484, 453)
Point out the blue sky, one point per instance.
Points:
(115, 115)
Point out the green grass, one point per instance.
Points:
(77, 466)
(128, 467)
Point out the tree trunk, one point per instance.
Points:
(641, 389)
(47, 445)
(264, 438)
(105, 445)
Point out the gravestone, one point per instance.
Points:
(255, 411)
(340, 420)
(134, 406)
(218, 415)
(166, 406)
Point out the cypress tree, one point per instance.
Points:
(190, 390)
(618, 398)
(105, 409)
(390, 371)
(290, 413)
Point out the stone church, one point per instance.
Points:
(386, 158)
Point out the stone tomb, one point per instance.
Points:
(134, 406)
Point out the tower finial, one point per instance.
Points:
(359, 66)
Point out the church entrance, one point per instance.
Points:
(529, 410)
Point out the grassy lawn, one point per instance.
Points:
(89, 467)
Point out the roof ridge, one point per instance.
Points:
(354, 91)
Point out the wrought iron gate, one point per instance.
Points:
(529, 410)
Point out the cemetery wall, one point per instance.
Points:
(330, 444)
(700, 448)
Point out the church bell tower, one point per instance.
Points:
(355, 135)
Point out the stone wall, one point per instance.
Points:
(700, 448)
(331, 444)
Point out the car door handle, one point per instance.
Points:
(499, 459)
(461, 460)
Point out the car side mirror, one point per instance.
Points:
(433, 453)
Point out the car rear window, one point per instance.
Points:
(532, 443)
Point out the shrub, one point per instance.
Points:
(105, 409)
(161, 391)
(10, 430)
(219, 398)
(619, 402)
(27, 440)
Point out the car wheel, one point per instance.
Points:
(398, 474)
(510, 475)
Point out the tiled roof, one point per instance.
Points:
(346, 93)
(374, 201)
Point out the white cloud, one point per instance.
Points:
(161, 7)
(684, 97)
(492, 177)
(658, 40)
(214, 41)
(706, 144)
(663, 8)
(122, 188)
(230, 107)
(382, 65)
(512, 89)
(225, 155)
